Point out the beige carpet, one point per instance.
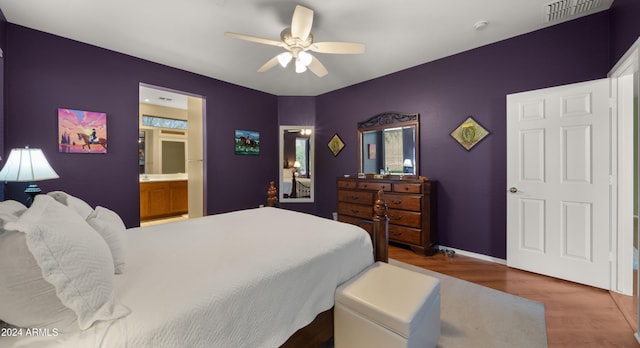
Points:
(477, 316)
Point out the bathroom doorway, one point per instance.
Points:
(170, 155)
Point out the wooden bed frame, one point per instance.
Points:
(320, 330)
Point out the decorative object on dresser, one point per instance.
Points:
(469, 133)
(411, 202)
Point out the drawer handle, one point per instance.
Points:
(396, 202)
(406, 188)
(355, 198)
(397, 218)
(396, 234)
(355, 211)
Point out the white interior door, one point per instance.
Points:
(558, 177)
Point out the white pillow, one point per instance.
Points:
(72, 257)
(78, 205)
(27, 299)
(110, 226)
(10, 211)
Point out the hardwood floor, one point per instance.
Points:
(576, 315)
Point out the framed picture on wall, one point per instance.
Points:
(247, 142)
(82, 131)
(469, 133)
(335, 145)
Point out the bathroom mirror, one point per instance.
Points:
(389, 144)
(296, 164)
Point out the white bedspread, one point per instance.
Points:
(243, 279)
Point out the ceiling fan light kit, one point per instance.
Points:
(297, 40)
(284, 58)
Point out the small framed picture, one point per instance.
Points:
(247, 142)
(335, 145)
(82, 131)
(469, 133)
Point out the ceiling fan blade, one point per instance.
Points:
(268, 65)
(317, 68)
(254, 39)
(301, 22)
(337, 47)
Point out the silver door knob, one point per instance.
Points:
(513, 190)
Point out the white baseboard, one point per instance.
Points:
(475, 255)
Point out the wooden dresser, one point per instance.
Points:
(412, 208)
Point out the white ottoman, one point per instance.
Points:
(387, 306)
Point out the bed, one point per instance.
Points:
(295, 186)
(249, 278)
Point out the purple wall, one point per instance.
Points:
(45, 72)
(625, 27)
(472, 184)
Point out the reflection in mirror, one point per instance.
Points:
(296, 164)
(162, 148)
(389, 144)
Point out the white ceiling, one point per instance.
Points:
(189, 34)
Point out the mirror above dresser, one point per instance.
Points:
(389, 144)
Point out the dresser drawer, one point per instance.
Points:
(405, 218)
(362, 197)
(347, 184)
(367, 225)
(411, 204)
(377, 186)
(407, 188)
(405, 202)
(357, 210)
(405, 234)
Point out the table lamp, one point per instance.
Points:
(408, 164)
(27, 165)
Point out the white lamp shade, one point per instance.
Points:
(407, 163)
(284, 58)
(300, 67)
(305, 58)
(27, 165)
(296, 164)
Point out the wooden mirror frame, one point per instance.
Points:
(390, 120)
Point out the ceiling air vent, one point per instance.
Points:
(562, 9)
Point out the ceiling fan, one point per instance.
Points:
(297, 41)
